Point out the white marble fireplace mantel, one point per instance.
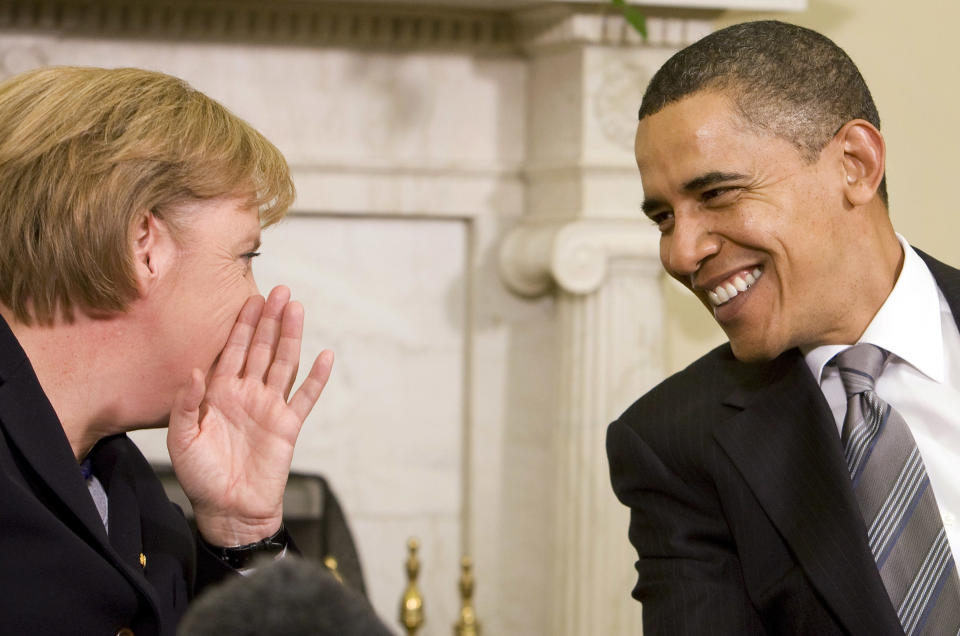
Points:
(467, 238)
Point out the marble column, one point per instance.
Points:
(606, 279)
(584, 240)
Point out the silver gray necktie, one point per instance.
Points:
(904, 527)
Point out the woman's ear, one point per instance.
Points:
(864, 160)
(153, 250)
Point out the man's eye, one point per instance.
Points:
(663, 220)
(249, 256)
(719, 195)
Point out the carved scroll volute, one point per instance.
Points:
(572, 255)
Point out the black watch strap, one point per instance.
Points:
(242, 556)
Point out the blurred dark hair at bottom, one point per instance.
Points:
(291, 596)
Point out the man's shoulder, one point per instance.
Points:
(715, 365)
(699, 387)
(698, 395)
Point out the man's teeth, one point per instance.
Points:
(731, 288)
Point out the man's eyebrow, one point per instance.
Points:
(711, 178)
(696, 184)
(650, 205)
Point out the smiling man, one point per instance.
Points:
(130, 213)
(795, 480)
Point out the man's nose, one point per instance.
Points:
(686, 247)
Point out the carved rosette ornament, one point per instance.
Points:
(616, 101)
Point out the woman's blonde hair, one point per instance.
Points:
(83, 152)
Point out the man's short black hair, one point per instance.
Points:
(786, 79)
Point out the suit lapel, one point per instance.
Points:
(786, 446)
(126, 535)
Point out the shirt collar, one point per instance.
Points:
(914, 303)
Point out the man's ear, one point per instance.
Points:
(864, 160)
(153, 250)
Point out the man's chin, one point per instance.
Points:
(748, 350)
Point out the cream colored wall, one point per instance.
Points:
(908, 54)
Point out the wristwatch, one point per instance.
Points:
(242, 556)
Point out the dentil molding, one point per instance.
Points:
(280, 22)
(493, 26)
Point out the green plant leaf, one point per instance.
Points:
(632, 15)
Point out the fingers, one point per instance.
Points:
(283, 371)
(309, 392)
(265, 340)
(265, 344)
(185, 413)
(238, 343)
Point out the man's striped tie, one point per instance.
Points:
(903, 522)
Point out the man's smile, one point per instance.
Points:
(735, 284)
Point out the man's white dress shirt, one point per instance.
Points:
(921, 380)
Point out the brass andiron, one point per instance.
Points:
(411, 606)
(467, 625)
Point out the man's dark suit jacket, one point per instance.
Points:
(60, 572)
(742, 511)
